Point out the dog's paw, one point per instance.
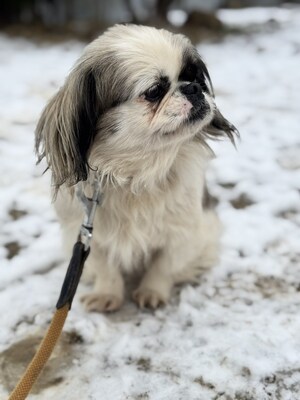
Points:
(101, 302)
(149, 298)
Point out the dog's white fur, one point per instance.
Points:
(151, 168)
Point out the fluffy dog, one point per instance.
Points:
(136, 110)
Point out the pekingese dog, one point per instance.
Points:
(136, 110)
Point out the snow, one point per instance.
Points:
(233, 336)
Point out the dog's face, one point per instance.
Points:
(135, 90)
(161, 90)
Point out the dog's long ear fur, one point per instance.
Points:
(220, 127)
(67, 127)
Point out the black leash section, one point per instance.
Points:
(73, 275)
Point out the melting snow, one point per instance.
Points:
(236, 334)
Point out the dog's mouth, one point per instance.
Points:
(198, 113)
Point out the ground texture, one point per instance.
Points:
(236, 335)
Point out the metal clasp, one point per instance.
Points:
(89, 208)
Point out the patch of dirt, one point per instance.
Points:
(142, 396)
(271, 285)
(227, 185)
(203, 383)
(282, 384)
(241, 202)
(14, 360)
(16, 214)
(13, 249)
(144, 364)
(292, 215)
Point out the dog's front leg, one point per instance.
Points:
(155, 287)
(108, 291)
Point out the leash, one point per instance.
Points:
(81, 251)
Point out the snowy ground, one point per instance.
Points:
(237, 334)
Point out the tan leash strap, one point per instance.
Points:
(63, 306)
(42, 355)
(50, 339)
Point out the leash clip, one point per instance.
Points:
(89, 207)
(81, 248)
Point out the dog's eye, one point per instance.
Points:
(154, 93)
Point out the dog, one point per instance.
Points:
(136, 112)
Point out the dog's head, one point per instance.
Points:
(134, 90)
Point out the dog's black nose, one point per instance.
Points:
(190, 89)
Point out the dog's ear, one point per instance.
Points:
(67, 128)
(220, 127)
